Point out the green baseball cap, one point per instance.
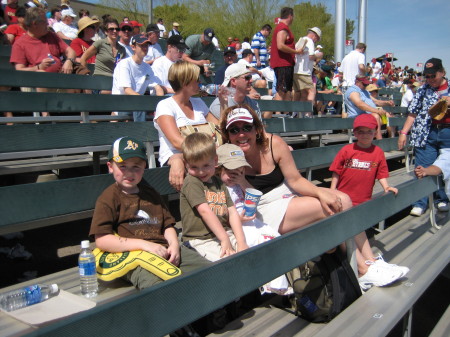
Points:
(127, 147)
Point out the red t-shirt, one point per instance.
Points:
(15, 30)
(11, 12)
(387, 68)
(31, 51)
(80, 46)
(277, 57)
(358, 168)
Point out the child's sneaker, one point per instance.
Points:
(380, 262)
(417, 211)
(378, 276)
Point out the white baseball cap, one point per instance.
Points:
(233, 71)
(68, 12)
(239, 114)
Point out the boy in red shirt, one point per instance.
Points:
(355, 169)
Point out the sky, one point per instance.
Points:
(413, 30)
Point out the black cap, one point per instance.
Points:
(246, 52)
(229, 50)
(177, 41)
(208, 34)
(152, 27)
(432, 66)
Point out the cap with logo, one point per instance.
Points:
(231, 156)
(208, 33)
(239, 115)
(365, 120)
(233, 71)
(125, 148)
(229, 50)
(177, 41)
(125, 24)
(432, 66)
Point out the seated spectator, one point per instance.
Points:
(136, 27)
(411, 88)
(154, 50)
(174, 112)
(230, 57)
(132, 76)
(16, 30)
(108, 51)
(66, 28)
(125, 34)
(257, 76)
(237, 85)
(161, 66)
(358, 101)
(86, 31)
(82, 13)
(55, 16)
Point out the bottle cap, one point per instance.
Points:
(85, 244)
(54, 288)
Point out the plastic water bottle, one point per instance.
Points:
(210, 89)
(50, 56)
(27, 296)
(88, 274)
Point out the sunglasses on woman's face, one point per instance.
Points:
(112, 29)
(430, 76)
(235, 130)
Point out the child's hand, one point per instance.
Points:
(173, 253)
(391, 189)
(227, 249)
(246, 218)
(155, 248)
(420, 172)
(237, 177)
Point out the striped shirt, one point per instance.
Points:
(259, 42)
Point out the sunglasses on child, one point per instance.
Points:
(235, 130)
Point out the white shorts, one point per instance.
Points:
(210, 249)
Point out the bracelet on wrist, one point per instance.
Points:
(403, 133)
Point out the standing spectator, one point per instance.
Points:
(354, 64)
(175, 29)
(376, 68)
(230, 57)
(108, 51)
(125, 34)
(86, 31)
(154, 50)
(162, 29)
(66, 28)
(411, 87)
(161, 66)
(259, 47)
(246, 43)
(55, 16)
(304, 89)
(200, 49)
(10, 11)
(282, 58)
(16, 30)
(428, 135)
(387, 68)
(132, 75)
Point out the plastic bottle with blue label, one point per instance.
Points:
(88, 273)
(27, 296)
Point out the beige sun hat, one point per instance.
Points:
(85, 22)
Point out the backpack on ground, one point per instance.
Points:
(323, 287)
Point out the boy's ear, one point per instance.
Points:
(110, 168)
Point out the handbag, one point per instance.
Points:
(208, 128)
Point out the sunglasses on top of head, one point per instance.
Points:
(235, 130)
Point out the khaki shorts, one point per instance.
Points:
(302, 82)
(210, 249)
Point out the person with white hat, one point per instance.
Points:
(66, 28)
(175, 29)
(304, 88)
(235, 88)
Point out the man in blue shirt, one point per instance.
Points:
(259, 47)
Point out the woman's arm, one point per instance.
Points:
(169, 127)
(91, 51)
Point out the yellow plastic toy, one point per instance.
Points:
(114, 265)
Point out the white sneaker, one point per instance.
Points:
(378, 276)
(383, 264)
(442, 206)
(417, 211)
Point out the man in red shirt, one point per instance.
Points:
(282, 56)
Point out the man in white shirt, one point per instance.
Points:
(154, 50)
(161, 27)
(132, 75)
(125, 34)
(354, 64)
(66, 28)
(304, 89)
(411, 87)
(161, 66)
(376, 68)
